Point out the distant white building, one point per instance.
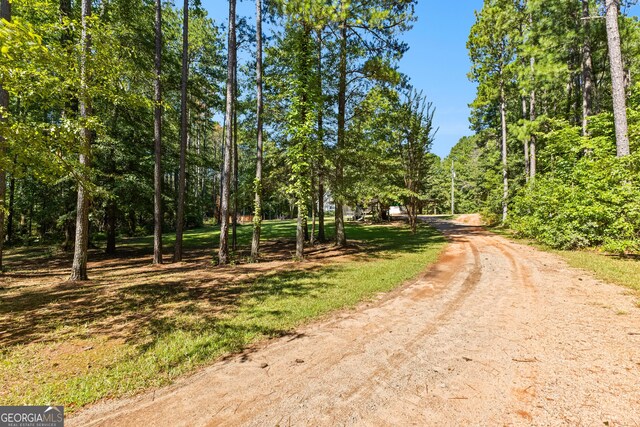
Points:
(397, 210)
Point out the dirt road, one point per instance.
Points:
(496, 333)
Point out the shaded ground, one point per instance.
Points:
(496, 333)
(136, 326)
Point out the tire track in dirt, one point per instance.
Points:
(495, 333)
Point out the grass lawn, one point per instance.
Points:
(135, 326)
(623, 271)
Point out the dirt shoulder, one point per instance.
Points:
(495, 333)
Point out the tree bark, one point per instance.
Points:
(300, 226)
(341, 237)
(617, 78)
(257, 213)
(5, 13)
(157, 138)
(505, 179)
(453, 189)
(184, 116)
(526, 142)
(223, 253)
(314, 210)
(111, 213)
(587, 68)
(532, 117)
(234, 221)
(321, 235)
(12, 192)
(79, 266)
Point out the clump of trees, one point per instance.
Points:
(110, 120)
(555, 154)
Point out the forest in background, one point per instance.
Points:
(557, 123)
(111, 121)
(127, 118)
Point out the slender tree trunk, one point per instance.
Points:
(157, 138)
(223, 254)
(532, 117)
(453, 189)
(321, 235)
(257, 212)
(314, 210)
(216, 186)
(5, 13)
(526, 142)
(341, 237)
(184, 129)
(505, 181)
(111, 213)
(79, 267)
(587, 68)
(300, 225)
(234, 221)
(12, 192)
(617, 78)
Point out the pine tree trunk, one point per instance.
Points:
(587, 68)
(321, 235)
(532, 117)
(157, 138)
(111, 213)
(234, 221)
(223, 254)
(526, 142)
(79, 267)
(5, 13)
(505, 180)
(257, 213)
(341, 237)
(300, 225)
(314, 210)
(12, 192)
(617, 78)
(184, 116)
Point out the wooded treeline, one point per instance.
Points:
(133, 117)
(555, 154)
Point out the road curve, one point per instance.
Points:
(496, 333)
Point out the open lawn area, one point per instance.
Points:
(135, 326)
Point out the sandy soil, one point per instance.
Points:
(496, 333)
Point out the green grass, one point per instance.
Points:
(624, 271)
(610, 268)
(176, 325)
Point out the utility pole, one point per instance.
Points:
(453, 183)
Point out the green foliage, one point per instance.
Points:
(586, 197)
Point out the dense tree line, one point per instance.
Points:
(555, 154)
(110, 121)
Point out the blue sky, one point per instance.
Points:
(437, 61)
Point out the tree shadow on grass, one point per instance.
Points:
(129, 311)
(131, 300)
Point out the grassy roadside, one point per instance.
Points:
(135, 328)
(624, 271)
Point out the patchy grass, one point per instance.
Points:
(136, 326)
(623, 271)
(610, 268)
